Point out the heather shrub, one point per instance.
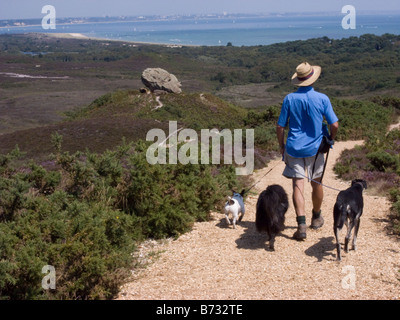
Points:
(351, 163)
(377, 162)
(395, 198)
(380, 153)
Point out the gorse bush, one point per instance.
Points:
(358, 119)
(86, 243)
(383, 161)
(85, 216)
(169, 198)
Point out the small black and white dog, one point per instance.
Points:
(348, 210)
(271, 207)
(235, 206)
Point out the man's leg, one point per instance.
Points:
(295, 167)
(317, 195)
(299, 203)
(298, 196)
(317, 198)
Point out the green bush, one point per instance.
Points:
(86, 243)
(383, 161)
(167, 199)
(86, 216)
(359, 119)
(395, 198)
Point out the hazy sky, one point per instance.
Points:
(20, 9)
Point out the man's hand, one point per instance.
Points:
(282, 150)
(334, 127)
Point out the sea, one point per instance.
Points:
(221, 30)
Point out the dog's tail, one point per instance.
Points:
(340, 214)
(269, 215)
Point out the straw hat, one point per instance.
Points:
(306, 75)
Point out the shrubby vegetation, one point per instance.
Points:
(85, 215)
(84, 209)
(377, 162)
(84, 212)
(359, 119)
(351, 66)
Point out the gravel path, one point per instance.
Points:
(217, 262)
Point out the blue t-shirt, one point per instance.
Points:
(304, 111)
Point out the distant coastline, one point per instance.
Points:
(211, 30)
(27, 22)
(81, 36)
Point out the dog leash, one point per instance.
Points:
(309, 179)
(324, 185)
(246, 191)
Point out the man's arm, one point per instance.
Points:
(280, 133)
(334, 127)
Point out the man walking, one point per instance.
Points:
(304, 111)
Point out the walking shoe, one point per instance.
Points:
(300, 234)
(317, 221)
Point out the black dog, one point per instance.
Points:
(272, 205)
(348, 209)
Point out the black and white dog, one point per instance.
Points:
(235, 206)
(348, 210)
(272, 205)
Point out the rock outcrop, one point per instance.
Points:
(160, 79)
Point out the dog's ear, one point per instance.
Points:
(230, 202)
(365, 184)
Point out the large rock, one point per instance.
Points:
(160, 79)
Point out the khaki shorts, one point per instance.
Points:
(296, 167)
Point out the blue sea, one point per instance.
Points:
(213, 31)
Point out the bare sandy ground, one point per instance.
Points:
(67, 35)
(217, 262)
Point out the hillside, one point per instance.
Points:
(130, 115)
(71, 73)
(78, 191)
(124, 114)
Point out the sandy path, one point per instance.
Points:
(217, 262)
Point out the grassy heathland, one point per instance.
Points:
(80, 70)
(77, 192)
